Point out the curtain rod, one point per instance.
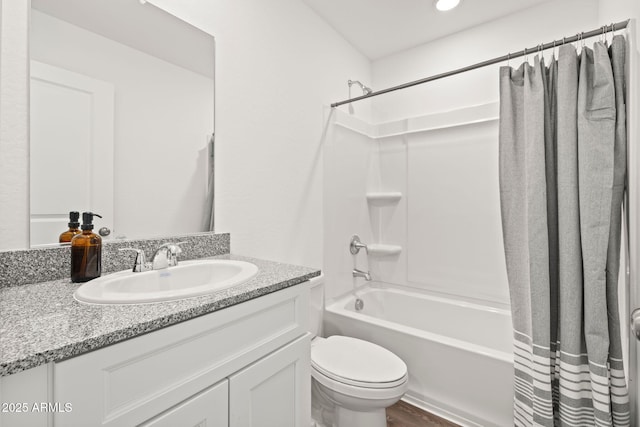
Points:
(581, 36)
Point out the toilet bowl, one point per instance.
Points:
(354, 381)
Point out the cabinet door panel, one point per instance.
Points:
(208, 408)
(274, 391)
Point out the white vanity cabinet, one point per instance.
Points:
(245, 365)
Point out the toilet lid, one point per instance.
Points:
(357, 362)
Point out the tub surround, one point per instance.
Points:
(20, 267)
(42, 322)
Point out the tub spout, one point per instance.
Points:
(360, 273)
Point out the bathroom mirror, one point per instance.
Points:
(121, 119)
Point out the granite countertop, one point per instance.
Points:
(42, 322)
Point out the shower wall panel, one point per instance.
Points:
(454, 238)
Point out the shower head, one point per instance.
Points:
(365, 90)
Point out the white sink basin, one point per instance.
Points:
(187, 279)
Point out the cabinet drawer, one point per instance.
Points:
(130, 382)
(208, 408)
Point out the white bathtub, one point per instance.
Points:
(459, 354)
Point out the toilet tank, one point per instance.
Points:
(316, 305)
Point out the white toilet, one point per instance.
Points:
(353, 381)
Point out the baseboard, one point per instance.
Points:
(441, 412)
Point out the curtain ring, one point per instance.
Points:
(553, 50)
(539, 51)
(582, 39)
(508, 59)
(579, 40)
(526, 56)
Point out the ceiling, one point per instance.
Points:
(378, 28)
(141, 26)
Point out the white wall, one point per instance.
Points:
(163, 115)
(618, 10)
(277, 64)
(14, 125)
(539, 24)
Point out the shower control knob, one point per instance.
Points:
(355, 245)
(104, 231)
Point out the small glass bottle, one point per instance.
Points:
(86, 252)
(73, 228)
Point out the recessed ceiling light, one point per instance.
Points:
(444, 5)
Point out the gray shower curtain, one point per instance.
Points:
(562, 177)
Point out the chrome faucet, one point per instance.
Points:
(360, 273)
(166, 256)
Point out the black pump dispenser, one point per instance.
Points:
(86, 251)
(73, 219)
(73, 228)
(87, 220)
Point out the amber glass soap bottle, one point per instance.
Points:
(73, 228)
(86, 252)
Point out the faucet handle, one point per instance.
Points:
(355, 245)
(140, 263)
(174, 250)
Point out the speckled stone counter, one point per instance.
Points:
(25, 266)
(42, 322)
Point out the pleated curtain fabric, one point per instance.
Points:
(562, 157)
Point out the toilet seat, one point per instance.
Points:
(352, 364)
(365, 393)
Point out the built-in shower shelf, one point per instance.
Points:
(382, 250)
(382, 198)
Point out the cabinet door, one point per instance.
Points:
(209, 408)
(275, 391)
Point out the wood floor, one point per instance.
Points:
(404, 415)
